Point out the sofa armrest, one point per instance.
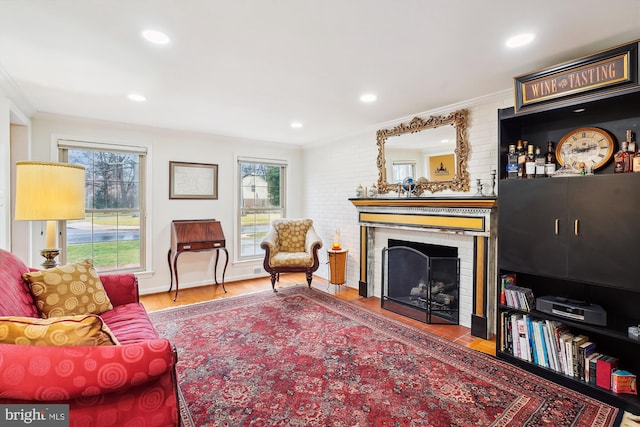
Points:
(121, 288)
(44, 373)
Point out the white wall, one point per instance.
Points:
(322, 177)
(5, 174)
(164, 146)
(333, 170)
(14, 140)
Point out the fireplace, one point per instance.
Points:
(466, 223)
(421, 281)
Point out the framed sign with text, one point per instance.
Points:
(595, 75)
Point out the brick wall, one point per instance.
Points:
(333, 169)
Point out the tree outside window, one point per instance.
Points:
(111, 232)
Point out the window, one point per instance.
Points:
(262, 189)
(112, 232)
(402, 169)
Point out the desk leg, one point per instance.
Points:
(170, 270)
(224, 271)
(175, 268)
(215, 268)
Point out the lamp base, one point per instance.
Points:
(50, 257)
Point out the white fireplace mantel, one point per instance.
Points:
(464, 216)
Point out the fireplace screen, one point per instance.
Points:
(419, 286)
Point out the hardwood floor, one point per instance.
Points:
(455, 333)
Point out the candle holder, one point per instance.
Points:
(478, 187)
(493, 183)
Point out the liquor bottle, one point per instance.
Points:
(634, 154)
(549, 160)
(622, 158)
(530, 163)
(512, 162)
(632, 142)
(522, 156)
(631, 149)
(540, 162)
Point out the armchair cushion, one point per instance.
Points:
(68, 290)
(58, 331)
(293, 259)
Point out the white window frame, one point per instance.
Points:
(238, 200)
(63, 142)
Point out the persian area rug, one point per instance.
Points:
(301, 357)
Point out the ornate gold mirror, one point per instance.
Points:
(432, 152)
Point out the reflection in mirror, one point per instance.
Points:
(401, 169)
(432, 152)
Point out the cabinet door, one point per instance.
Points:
(605, 248)
(532, 226)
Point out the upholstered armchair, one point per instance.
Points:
(291, 246)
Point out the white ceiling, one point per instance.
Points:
(248, 68)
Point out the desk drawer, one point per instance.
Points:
(199, 246)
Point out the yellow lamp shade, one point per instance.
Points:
(49, 191)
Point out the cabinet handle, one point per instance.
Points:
(576, 223)
(557, 226)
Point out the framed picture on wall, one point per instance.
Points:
(193, 180)
(442, 168)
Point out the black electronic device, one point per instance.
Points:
(577, 310)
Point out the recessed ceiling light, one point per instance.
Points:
(368, 97)
(154, 36)
(136, 97)
(296, 125)
(444, 141)
(520, 40)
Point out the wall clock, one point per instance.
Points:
(593, 146)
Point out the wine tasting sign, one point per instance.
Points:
(591, 76)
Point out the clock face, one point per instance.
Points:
(593, 146)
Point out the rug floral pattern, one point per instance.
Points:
(305, 358)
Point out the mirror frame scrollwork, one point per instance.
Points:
(460, 181)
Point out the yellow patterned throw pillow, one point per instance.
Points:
(68, 290)
(87, 330)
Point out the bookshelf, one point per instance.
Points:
(539, 245)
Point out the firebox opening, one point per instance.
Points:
(421, 281)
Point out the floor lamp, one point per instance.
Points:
(49, 192)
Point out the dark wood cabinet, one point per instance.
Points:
(578, 228)
(529, 215)
(576, 237)
(605, 241)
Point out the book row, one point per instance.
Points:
(519, 297)
(551, 344)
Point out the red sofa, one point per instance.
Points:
(133, 383)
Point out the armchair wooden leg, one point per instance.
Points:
(273, 281)
(309, 277)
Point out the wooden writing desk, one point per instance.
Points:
(196, 235)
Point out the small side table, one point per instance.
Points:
(337, 266)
